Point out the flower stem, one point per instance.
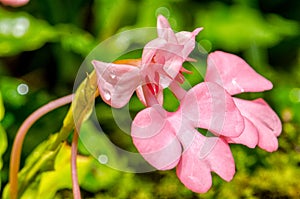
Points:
(18, 142)
(178, 91)
(75, 184)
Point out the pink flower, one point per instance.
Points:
(168, 139)
(169, 50)
(262, 125)
(14, 3)
(161, 63)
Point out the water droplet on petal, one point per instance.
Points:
(113, 76)
(107, 95)
(233, 81)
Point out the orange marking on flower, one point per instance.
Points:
(132, 62)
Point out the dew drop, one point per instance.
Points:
(103, 159)
(237, 85)
(113, 76)
(107, 95)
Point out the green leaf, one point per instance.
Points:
(60, 178)
(20, 31)
(108, 15)
(1, 108)
(40, 160)
(3, 137)
(3, 144)
(76, 40)
(80, 110)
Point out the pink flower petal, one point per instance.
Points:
(234, 74)
(116, 82)
(187, 39)
(265, 120)
(164, 29)
(168, 52)
(249, 137)
(203, 156)
(172, 68)
(165, 56)
(210, 107)
(150, 50)
(155, 138)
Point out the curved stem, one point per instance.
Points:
(18, 142)
(75, 184)
(177, 90)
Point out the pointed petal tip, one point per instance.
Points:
(197, 30)
(162, 22)
(161, 17)
(94, 62)
(99, 64)
(269, 85)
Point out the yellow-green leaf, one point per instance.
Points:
(1, 108)
(60, 178)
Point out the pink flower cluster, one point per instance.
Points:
(171, 139)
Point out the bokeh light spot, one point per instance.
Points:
(103, 159)
(295, 95)
(162, 11)
(23, 89)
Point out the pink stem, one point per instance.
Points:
(18, 142)
(178, 91)
(75, 184)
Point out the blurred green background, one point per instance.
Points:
(43, 44)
